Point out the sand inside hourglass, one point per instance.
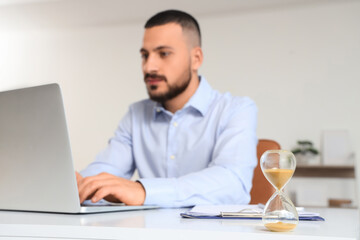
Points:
(280, 226)
(278, 177)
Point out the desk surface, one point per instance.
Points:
(167, 224)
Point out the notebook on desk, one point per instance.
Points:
(240, 212)
(36, 167)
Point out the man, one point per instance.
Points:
(190, 144)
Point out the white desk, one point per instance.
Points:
(167, 224)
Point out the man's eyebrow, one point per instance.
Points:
(157, 48)
(162, 47)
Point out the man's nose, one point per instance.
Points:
(151, 65)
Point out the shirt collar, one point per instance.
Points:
(200, 101)
(158, 109)
(201, 98)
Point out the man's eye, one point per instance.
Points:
(144, 56)
(164, 54)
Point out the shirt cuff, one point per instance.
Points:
(159, 191)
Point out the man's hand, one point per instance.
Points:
(111, 188)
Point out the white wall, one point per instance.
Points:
(98, 70)
(299, 63)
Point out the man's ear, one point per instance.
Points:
(196, 58)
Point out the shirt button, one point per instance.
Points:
(175, 124)
(158, 110)
(172, 157)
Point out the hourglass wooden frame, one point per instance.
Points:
(278, 167)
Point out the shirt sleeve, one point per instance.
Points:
(228, 178)
(117, 158)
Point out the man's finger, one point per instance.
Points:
(78, 177)
(88, 189)
(103, 192)
(84, 182)
(121, 190)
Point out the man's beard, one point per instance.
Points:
(173, 90)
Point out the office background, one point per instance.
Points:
(298, 59)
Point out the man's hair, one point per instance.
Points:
(185, 20)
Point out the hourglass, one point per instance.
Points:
(279, 213)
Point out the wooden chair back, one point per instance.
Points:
(261, 189)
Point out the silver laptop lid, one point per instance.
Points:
(36, 168)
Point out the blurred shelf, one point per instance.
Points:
(325, 171)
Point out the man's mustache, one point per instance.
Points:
(148, 75)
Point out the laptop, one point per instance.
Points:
(36, 166)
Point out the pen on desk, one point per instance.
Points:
(299, 209)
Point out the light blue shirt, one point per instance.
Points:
(204, 153)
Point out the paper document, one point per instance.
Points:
(239, 211)
(217, 210)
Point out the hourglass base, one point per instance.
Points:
(280, 214)
(280, 226)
